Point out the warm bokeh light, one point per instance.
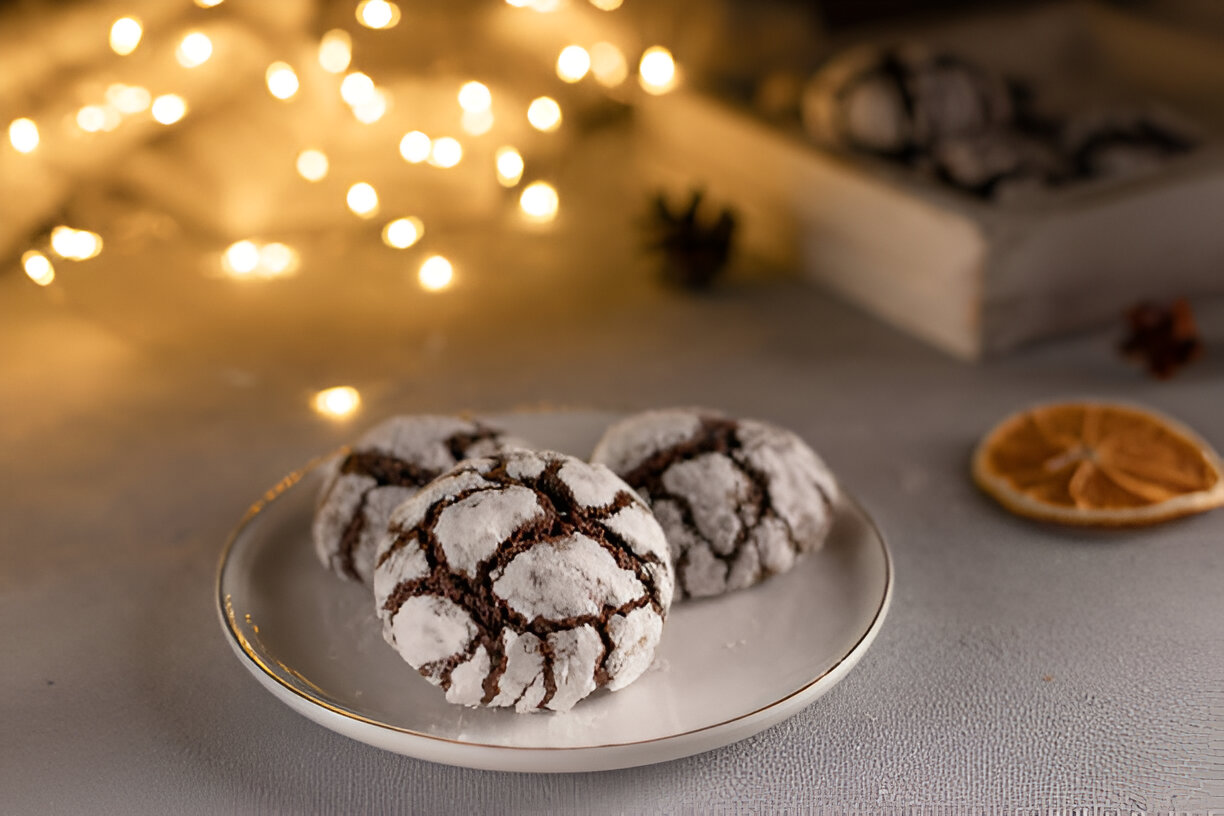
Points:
(357, 89)
(378, 14)
(169, 108)
(337, 403)
(608, 64)
(446, 152)
(403, 232)
(240, 259)
(247, 259)
(415, 147)
(37, 267)
(282, 80)
(125, 35)
(208, 3)
(436, 273)
(475, 96)
(312, 165)
(607, 5)
(539, 201)
(91, 118)
(573, 63)
(194, 50)
(544, 6)
(128, 98)
(477, 123)
(335, 51)
(657, 70)
(509, 166)
(362, 199)
(544, 114)
(23, 135)
(517, 3)
(277, 260)
(372, 109)
(75, 245)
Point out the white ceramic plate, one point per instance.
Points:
(726, 668)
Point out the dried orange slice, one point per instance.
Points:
(1100, 464)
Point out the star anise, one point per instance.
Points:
(1162, 337)
(694, 252)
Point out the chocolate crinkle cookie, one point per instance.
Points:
(527, 579)
(739, 500)
(386, 466)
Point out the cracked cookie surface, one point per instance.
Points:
(739, 500)
(385, 467)
(527, 579)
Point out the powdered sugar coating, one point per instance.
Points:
(385, 467)
(558, 566)
(739, 500)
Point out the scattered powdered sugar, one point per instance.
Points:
(714, 488)
(406, 563)
(467, 679)
(429, 628)
(410, 514)
(472, 529)
(591, 486)
(634, 634)
(637, 438)
(636, 525)
(576, 654)
(565, 578)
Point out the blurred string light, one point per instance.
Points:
(477, 123)
(475, 97)
(75, 245)
(657, 70)
(99, 117)
(128, 99)
(608, 64)
(335, 51)
(91, 119)
(509, 166)
(194, 50)
(378, 14)
(607, 5)
(539, 202)
(337, 403)
(277, 260)
(125, 34)
(240, 259)
(23, 135)
(415, 147)
(544, 114)
(38, 268)
(362, 199)
(436, 273)
(357, 89)
(403, 232)
(573, 63)
(312, 165)
(208, 3)
(372, 109)
(282, 80)
(169, 108)
(446, 152)
(247, 259)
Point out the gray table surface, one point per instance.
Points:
(145, 405)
